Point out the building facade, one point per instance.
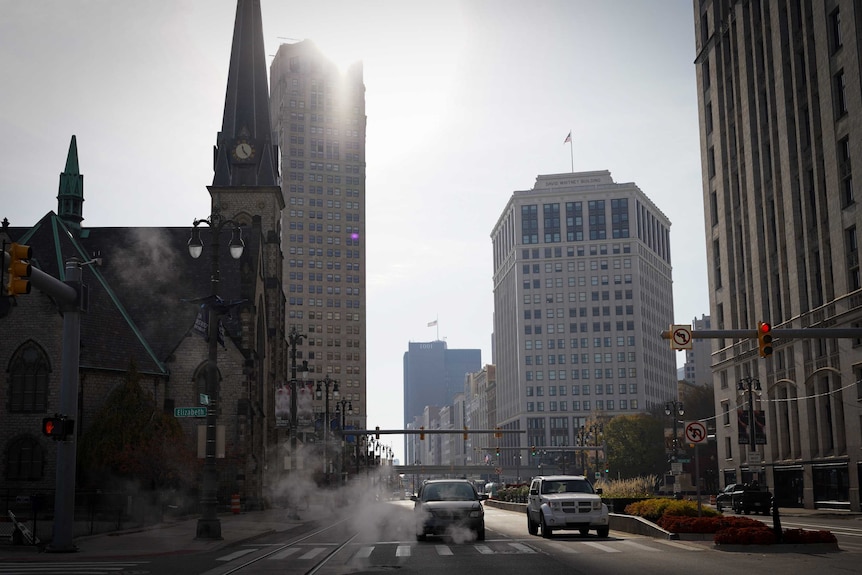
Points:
(582, 291)
(433, 376)
(780, 110)
(318, 120)
(697, 369)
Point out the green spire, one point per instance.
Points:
(70, 199)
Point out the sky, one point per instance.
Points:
(467, 101)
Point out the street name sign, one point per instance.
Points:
(190, 412)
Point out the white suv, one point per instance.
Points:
(566, 502)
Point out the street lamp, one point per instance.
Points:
(323, 393)
(750, 385)
(674, 408)
(342, 408)
(209, 525)
(581, 433)
(596, 430)
(294, 339)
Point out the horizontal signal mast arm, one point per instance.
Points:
(804, 333)
(429, 431)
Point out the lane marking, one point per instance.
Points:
(402, 551)
(236, 555)
(313, 553)
(286, 553)
(638, 546)
(601, 547)
(443, 550)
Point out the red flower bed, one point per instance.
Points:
(762, 535)
(681, 524)
(803, 536)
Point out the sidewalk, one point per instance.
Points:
(174, 537)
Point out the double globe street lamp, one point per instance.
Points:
(209, 525)
(323, 393)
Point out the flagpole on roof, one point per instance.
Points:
(572, 151)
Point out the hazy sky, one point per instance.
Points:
(467, 101)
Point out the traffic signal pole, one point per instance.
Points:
(71, 296)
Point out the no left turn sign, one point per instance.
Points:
(680, 337)
(695, 432)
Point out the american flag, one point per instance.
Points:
(568, 138)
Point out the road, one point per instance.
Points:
(378, 538)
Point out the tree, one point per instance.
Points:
(635, 445)
(131, 439)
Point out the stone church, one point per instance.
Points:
(143, 304)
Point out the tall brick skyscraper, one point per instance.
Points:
(318, 119)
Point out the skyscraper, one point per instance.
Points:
(433, 376)
(779, 103)
(582, 291)
(318, 115)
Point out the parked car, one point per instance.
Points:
(744, 498)
(445, 505)
(565, 502)
(722, 500)
(751, 499)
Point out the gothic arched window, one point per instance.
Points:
(25, 460)
(28, 380)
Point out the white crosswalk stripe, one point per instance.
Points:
(402, 551)
(601, 547)
(71, 568)
(364, 552)
(236, 554)
(628, 543)
(443, 550)
(313, 553)
(283, 554)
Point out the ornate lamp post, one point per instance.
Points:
(209, 526)
(342, 408)
(674, 409)
(323, 393)
(582, 441)
(293, 340)
(751, 386)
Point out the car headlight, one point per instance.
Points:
(597, 504)
(475, 513)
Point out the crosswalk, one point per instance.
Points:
(403, 550)
(75, 567)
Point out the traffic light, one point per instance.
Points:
(465, 433)
(422, 433)
(377, 434)
(58, 427)
(498, 452)
(764, 338)
(498, 434)
(19, 269)
(533, 451)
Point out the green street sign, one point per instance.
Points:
(190, 412)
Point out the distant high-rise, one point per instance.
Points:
(778, 88)
(318, 115)
(698, 360)
(433, 376)
(582, 292)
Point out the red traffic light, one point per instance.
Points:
(764, 339)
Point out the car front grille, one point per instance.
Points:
(577, 506)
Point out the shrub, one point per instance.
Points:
(757, 535)
(713, 524)
(803, 536)
(654, 509)
(627, 488)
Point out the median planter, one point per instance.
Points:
(619, 504)
(815, 548)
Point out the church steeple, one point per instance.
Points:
(244, 152)
(70, 199)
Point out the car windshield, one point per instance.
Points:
(567, 486)
(448, 492)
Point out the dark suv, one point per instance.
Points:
(443, 506)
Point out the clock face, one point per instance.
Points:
(243, 151)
